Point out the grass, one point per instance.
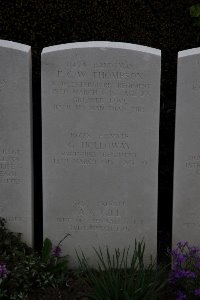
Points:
(116, 279)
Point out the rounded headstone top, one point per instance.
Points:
(14, 46)
(188, 52)
(102, 44)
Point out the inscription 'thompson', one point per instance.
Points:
(101, 75)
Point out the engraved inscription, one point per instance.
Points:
(2, 84)
(109, 216)
(90, 149)
(13, 219)
(9, 166)
(100, 87)
(191, 224)
(193, 163)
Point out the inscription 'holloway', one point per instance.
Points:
(15, 138)
(100, 119)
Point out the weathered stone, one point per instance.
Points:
(15, 138)
(186, 206)
(100, 116)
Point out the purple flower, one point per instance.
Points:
(193, 250)
(3, 271)
(189, 274)
(177, 274)
(56, 251)
(180, 258)
(175, 252)
(180, 295)
(197, 292)
(185, 270)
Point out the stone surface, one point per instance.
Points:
(15, 138)
(100, 116)
(186, 207)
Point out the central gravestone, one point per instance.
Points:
(100, 112)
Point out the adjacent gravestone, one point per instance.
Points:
(15, 138)
(186, 207)
(100, 116)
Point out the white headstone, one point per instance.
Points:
(100, 116)
(15, 138)
(186, 207)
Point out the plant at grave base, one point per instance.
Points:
(115, 280)
(184, 276)
(51, 256)
(22, 270)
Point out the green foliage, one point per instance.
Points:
(28, 270)
(115, 280)
(46, 250)
(195, 10)
(195, 14)
(119, 276)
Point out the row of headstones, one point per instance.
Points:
(100, 129)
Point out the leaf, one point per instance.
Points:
(195, 11)
(46, 250)
(59, 267)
